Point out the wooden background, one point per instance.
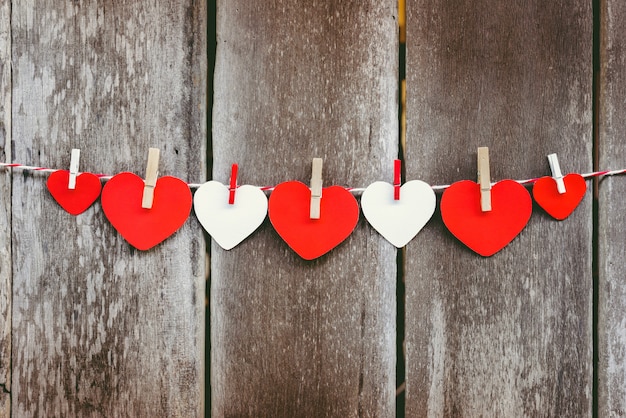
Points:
(91, 327)
(611, 223)
(97, 328)
(292, 337)
(5, 209)
(509, 335)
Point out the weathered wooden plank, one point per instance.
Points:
(295, 81)
(509, 335)
(100, 329)
(5, 209)
(611, 222)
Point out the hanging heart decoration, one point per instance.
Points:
(486, 233)
(288, 209)
(398, 221)
(74, 201)
(229, 224)
(560, 205)
(145, 228)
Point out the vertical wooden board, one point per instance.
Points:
(508, 335)
(5, 209)
(295, 81)
(101, 329)
(611, 222)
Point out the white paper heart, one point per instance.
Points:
(398, 221)
(229, 224)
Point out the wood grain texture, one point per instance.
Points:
(5, 209)
(295, 81)
(509, 335)
(611, 222)
(100, 329)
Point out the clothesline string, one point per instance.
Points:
(355, 190)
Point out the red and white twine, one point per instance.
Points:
(356, 190)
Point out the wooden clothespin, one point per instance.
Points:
(152, 172)
(233, 184)
(316, 188)
(74, 162)
(397, 178)
(556, 173)
(484, 179)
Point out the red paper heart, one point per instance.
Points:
(145, 228)
(559, 206)
(486, 232)
(74, 201)
(288, 209)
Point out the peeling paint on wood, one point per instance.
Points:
(296, 81)
(101, 329)
(510, 335)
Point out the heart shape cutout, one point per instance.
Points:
(74, 201)
(398, 221)
(288, 209)
(145, 228)
(557, 205)
(486, 233)
(229, 224)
